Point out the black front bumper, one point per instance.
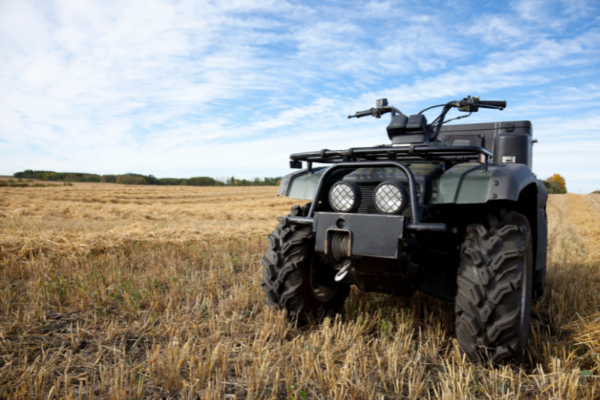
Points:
(370, 235)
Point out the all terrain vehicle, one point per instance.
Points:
(453, 211)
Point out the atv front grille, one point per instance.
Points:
(367, 205)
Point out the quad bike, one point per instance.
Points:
(453, 211)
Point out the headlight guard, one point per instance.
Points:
(390, 197)
(345, 197)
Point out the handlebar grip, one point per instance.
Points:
(360, 114)
(493, 103)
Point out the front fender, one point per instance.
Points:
(303, 184)
(508, 180)
(470, 183)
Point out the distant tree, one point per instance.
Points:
(272, 181)
(202, 181)
(152, 180)
(49, 176)
(108, 178)
(561, 181)
(137, 179)
(172, 181)
(555, 184)
(131, 179)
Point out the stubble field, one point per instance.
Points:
(131, 292)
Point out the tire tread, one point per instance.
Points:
(493, 260)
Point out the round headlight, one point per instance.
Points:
(391, 198)
(344, 197)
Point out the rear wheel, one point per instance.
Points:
(294, 278)
(493, 302)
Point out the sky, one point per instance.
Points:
(220, 88)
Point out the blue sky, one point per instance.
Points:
(189, 88)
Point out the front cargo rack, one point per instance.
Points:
(405, 153)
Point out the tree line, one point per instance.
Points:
(138, 179)
(554, 185)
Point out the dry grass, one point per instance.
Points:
(121, 292)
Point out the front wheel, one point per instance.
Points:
(493, 301)
(295, 280)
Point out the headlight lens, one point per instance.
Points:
(344, 197)
(391, 198)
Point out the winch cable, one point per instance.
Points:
(340, 246)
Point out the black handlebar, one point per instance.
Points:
(360, 114)
(468, 104)
(376, 112)
(472, 104)
(501, 104)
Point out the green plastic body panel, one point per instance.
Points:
(305, 187)
(470, 183)
(462, 184)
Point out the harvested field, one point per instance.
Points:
(122, 292)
